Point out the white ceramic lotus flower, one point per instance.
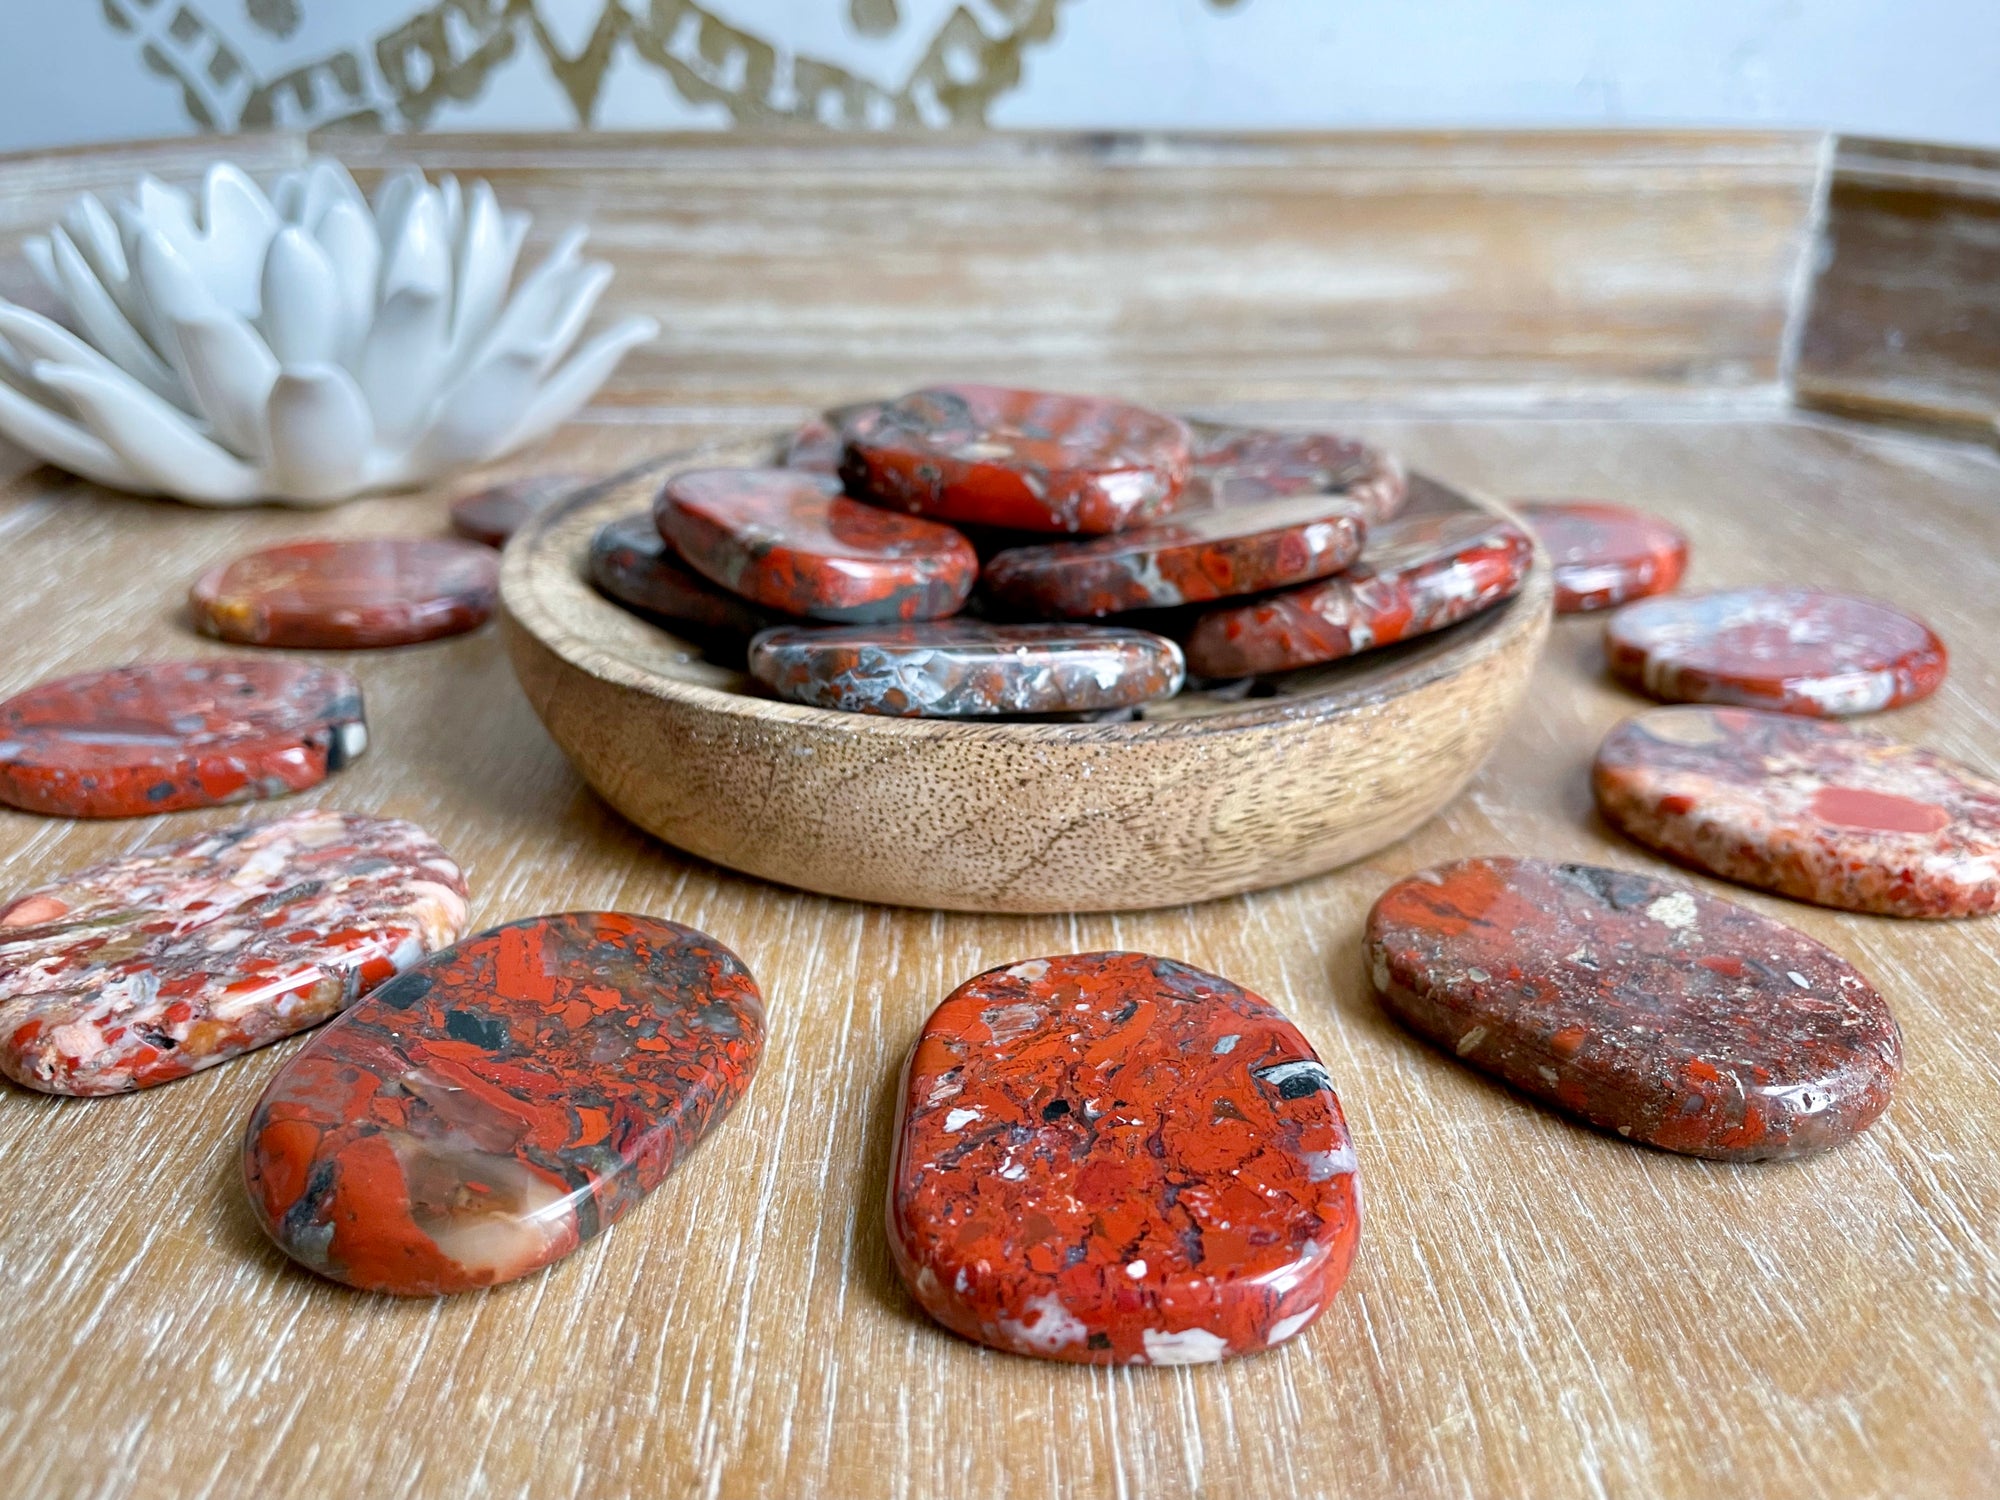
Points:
(306, 347)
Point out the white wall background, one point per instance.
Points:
(1915, 68)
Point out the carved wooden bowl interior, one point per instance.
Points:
(1205, 801)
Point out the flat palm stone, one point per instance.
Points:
(148, 968)
(492, 515)
(1417, 574)
(1219, 550)
(1799, 651)
(349, 594)
(489, 1111)
(1808, 808)
(967, 668)
(1029, 460)
(631, 563)
(1241, 464)
(1640, 1006)
(788, 540)
(167, 736)
(1604, 555)
(1112, 1158)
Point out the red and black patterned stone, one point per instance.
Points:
(167, 736)
(1639, 1006)
(1235, 465)
(1112, 1158)
(151, 967)
(350, 594)
(966, 668)
(484, 1114)
(1025, 460)
(1417, 574)
(814, 446)
(631, 562)
(790, 541)
(1811, 809)
(1605, 555)
(1799, 651)
(492, 515)
(1222, 550)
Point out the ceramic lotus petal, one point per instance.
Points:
(306, 347)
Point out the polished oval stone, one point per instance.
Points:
(1416, 575)
(790, 541)
(1604, 554)
(1221, 550)
(1027, 460)
(492, 515)
(339, 595)
(1799, 651)
(145, 969)
(1111, 1158)
(166, 736)
(1638, 1005)
(966, 668)
(814, 446)
(632, 564)
(1234, 465)
(1808, 808)
(490, 1110)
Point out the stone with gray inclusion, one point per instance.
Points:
(966, 668)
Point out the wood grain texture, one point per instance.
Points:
(1536, 1310)
(1001, 817)
(1905, 306)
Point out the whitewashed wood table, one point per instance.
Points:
(1536, 1309)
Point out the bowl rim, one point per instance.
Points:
(525, 574)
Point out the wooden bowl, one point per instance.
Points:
(1001, 817)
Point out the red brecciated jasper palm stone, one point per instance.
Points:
(1808, 808)
(790, 541)
(1416, 575)
(967, 668)
(167, 736)
(484, 1114)
(1222, 550)
(1027, 460)
(1111, 1158)
(1640, 1006)
(1234, 465)
(814, 446)
(632, 564)
(352, 594)
(148, 968)
(490, 516)
(1799, 651)
(1604, 554)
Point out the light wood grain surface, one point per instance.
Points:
(1536, 1310)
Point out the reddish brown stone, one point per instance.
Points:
(492, 515)
(1640, 1006)
(966, 668)
(815, 447)
(1800, 651)
(1808, 808)
(1605, 555)
(632, 563)
(167, 736)
(148, 968)
(1416, 575)
(1029, 460)
(1227, 548)
(339, 595)
(1111, 1158)
(1235, 465)
(790, 541)
(484, 1114)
